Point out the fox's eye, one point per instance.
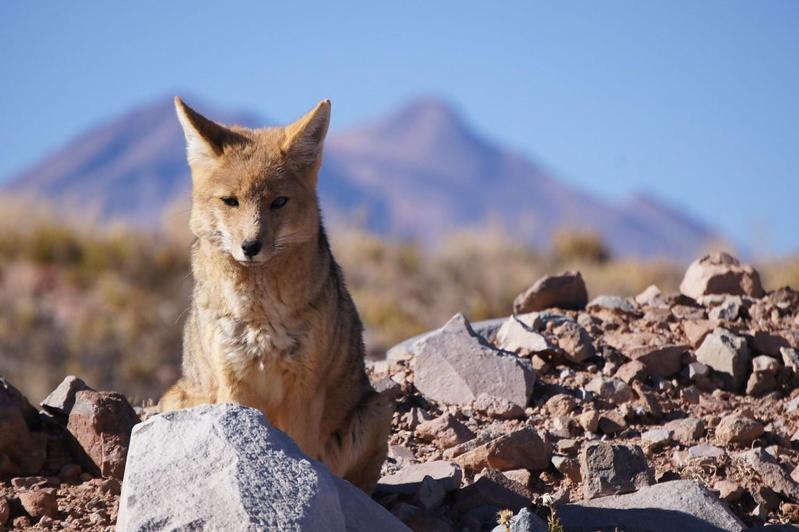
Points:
(230, 201)
(279, 202)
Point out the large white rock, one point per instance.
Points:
(224, 467)
(454, 365)
(720, 273)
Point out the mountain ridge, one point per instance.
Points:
(420, 171)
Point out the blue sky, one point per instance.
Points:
(697, 102)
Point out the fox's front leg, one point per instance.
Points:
(356, 450)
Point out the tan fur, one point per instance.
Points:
(278, 332)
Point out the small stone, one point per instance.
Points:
(649, 296)
(589, 420)
(728, 309)
(387, 388)
(728, 355)
(39, 503)
(735, 428)
(686, 431)
(705, 452)
(696, 330)
(611, 422)
(697, 371)
(657, 438)
(765, 364)
(522, 476)
(790, 358)
(560, 405)
(630, 371)
(574, 341)
(760, 383)
(492, 489)
(497, 407)
(523, 448)
(613, 469)
(23, 522)
(28, 482)
(445, 431)
(772, 474)
(613, 303)
(566, 291)
(728, 490)
(516, 335)
(720, 273)
(62, 399)
(568, 467)
(614, 391)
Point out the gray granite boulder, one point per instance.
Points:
(224, 467)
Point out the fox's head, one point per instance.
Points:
(254, 191)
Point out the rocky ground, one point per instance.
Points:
(570, 413)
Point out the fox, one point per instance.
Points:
(271, 324)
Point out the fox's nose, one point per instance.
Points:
(251, 247)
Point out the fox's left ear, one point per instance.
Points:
(305, 137)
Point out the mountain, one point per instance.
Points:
(419, 172)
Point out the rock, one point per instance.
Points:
(728, 355)
(614, 391)
(454, 365)
(494, 490)
(568, 467)
(62, 399)
(686, 431)
(430, 494)
(728, 490)
(28, 482)
(522, 476)
(761, 382)
(790, 358)
(445, 431)
(772, 474)
(22, 452)
(516, 335)
(589, 420)
(408, 479)
(698, 371)
(664, 507)
(560, 405)
(101, 423)
(5, 511)
(566, 291)
(696, 330)
(523, 448)
(524, 521)
(649, 296)
(612, 303)
(613, 469)
(630, 371)
(720, 273)
(611, 422)
(387, 388)
(705, 452)
(496, 407)
(266, 480)
(735, 428)
(39, 503)
(574, 341)
(659, 359)
(722, 307)
(657, 438)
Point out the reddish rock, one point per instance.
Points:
(575, 341)
(630, 371)
(445, 431)
(39, 503)
(614, 391)
(566, 291)
(735, 428)
(497, 407)
(5, 510)
(696, 330)
(560, 405)
(522, 448)
(720, 273)
(687, 431)
(22, 451)
(101, 423)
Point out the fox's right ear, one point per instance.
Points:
(205, 139)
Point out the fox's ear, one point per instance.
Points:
(304, 138)
(205, 139)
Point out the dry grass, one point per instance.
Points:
(107, 304)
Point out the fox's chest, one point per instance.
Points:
(255, 345)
